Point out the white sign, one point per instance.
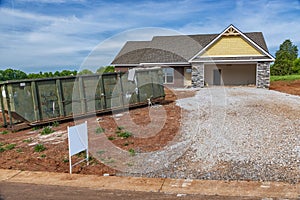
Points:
(78, 142)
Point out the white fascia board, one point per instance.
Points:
(177, 63)
(234, 61)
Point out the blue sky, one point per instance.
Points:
(49, 35)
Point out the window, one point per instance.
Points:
(168, 75)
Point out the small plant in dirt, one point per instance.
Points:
(131, 152)
(100, 152)
(4, 132)
(2, 149)
(43, 156)
(19, 150)
(36, 128)
(100, 130)
(119, 128)
(39, 148)
(65, 160)
(55, 124)
(28, 140)
(47, 130)
(110, 138)
(10, 146)
(124, 134)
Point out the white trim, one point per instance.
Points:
(238, 56)
(125, 65)
(178, 63)
(228, 61)
(221, 34)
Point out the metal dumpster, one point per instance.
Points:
(39, 101)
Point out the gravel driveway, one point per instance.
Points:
(239, 133)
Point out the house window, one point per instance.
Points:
(168, 75)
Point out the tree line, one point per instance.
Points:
(286, 61)
(13, 74)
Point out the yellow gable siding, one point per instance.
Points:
(231, 45)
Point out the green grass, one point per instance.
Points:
(55, 124)
(28, 140)
(10, 146)
(125, 134)
(39, 148)
(131, 152)
(4, 132)
(47, 130)
(111, 138)
(100, 130)
(285, 78)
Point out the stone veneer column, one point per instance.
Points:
(198, 75)
(263, 75)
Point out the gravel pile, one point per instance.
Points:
(238, 133)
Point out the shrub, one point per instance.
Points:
(28, 140)
(47, 130)
(39, 148)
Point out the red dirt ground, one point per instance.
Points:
(290, 87)
(55, 157)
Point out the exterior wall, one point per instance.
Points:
(121, 69)
(187, 76)
(231, 45)
(178, 77)
(232, 74)
(197, 74)
(263, 75)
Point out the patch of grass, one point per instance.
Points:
(19, 150)
(55, 124)
(285, 78)
(36, 128)
(110, 138)
(131, 152)
(10, 146)
(4, 132)
(43, 156)
(130, 164)
(28, 140)
(100, 130)
(1, 144)
(39, 148)
(47, 130)
(65, 160)
(2, 149)
(100, 152)
(124, 134)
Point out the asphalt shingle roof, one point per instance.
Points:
(172, 49)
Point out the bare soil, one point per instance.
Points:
(290, 87)
(23, 156)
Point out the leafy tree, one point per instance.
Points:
(285, 57)
(296, 67)
(106, 69)
(85, 71)
(12, 74)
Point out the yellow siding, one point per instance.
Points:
(231, 45)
